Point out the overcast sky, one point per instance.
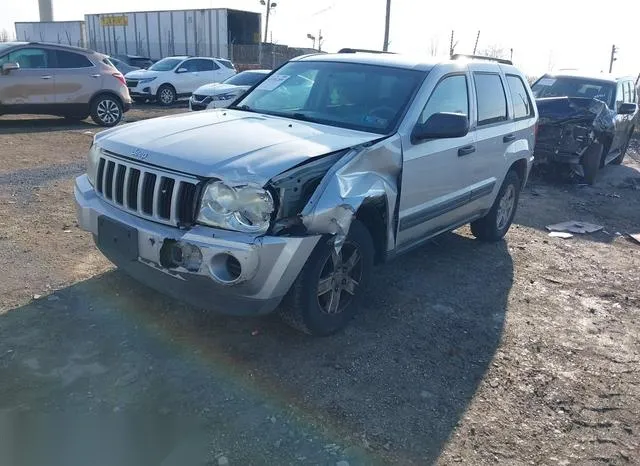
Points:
(544, 34)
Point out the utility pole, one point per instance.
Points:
(475, 47)
(614, 50)
(269, 4)
(511, 57)
(320, 38)
(385, 46)
(452, 46)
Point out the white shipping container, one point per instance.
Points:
(158, 34)
(58, 32)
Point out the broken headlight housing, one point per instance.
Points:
(93, 159)
(241, 208)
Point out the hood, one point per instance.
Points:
(593, 113)
(141, 74)
(219, 88)
(233, 145)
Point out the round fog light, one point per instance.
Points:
(225, 268)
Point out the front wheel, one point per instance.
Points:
(591, 162)
(106, 110)
(326, 294)
(166, 95)
(494, 225)
(619, 159)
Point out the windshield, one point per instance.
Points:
(246, 78)
(166, 64)
(349, 95)
(548, 86)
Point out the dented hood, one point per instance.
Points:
(569, 110)
(235, 145)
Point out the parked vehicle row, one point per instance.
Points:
(286, 199)
(173, 77)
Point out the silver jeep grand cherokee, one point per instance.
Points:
(331, 164)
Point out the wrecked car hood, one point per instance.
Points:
(235, 145)
(570, 124)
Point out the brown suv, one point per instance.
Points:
(53, 79)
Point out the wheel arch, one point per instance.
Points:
(102, 92)
(373, 214)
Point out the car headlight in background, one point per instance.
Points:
(145, 80)
(224, 97)
(241, 208)
(93, 159)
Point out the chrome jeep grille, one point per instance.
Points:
(147, 192)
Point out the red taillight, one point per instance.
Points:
(120, 78)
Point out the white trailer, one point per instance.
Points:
(58, 32)
(158, 34)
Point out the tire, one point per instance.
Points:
(591, 162)
(311, 311)
(140, 100)
(494, 225)
(106, 110)
(620, 158)
(166, 95)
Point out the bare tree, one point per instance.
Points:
(433, 46)
(4, 35)
(494, 51)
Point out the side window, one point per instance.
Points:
(71, 60)
(450, 95)
(189, 65)
(31, 58)
(619, 94)
(522, 107)
(492, 102)
(205, 65)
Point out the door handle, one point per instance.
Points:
(95, 75)
(48, 76)
(466, 150)
(509, 138)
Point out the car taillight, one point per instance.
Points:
(120, 78)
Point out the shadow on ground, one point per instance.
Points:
(390, 389)
(40, 125)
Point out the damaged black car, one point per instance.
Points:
(585, 122)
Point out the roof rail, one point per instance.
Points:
(481, 57)
(350, 50)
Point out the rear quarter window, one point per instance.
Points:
(227, 64)
(522, 107)
(491, 99)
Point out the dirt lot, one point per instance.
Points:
(521, 352)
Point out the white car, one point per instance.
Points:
(174, 77)
(220, 95)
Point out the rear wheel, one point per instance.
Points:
(106, 110)
(591, 162)
(166, 95)
(494, 225)
(620, 158)
(326, 294)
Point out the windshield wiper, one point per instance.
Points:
(246, 108)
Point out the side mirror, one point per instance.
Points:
(627, 108)
(10, 67)
(440, 126)
(181, 70)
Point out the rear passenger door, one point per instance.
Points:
(495, 130)
(77, 78)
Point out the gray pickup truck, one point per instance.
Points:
(288, 198)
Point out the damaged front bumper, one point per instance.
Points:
(235, 273)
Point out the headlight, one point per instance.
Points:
(224, 97)
(93, 160)
(145, 80)
(241, 208)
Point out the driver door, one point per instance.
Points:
(188, 77)
(33, 83)
(435, 174)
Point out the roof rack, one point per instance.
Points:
(480, 57)
(350, 50)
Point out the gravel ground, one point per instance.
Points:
(520, 352)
